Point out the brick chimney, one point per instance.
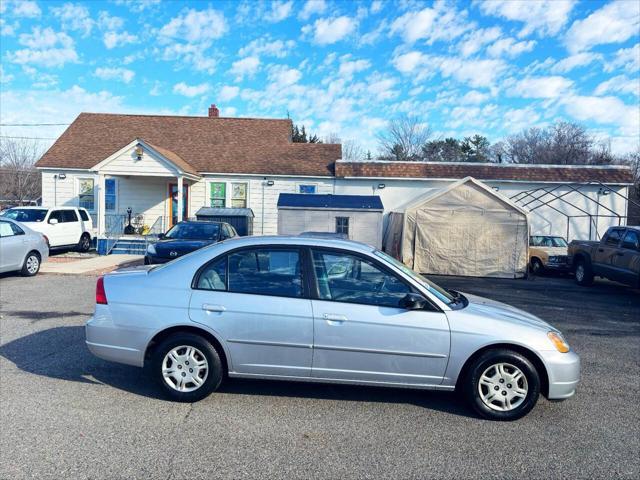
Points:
(213, 111)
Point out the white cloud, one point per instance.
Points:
(120, 74)
(608, 110)
(118, 39)
(541, 87)
(312, 7)
(408, 62)
(442, 22)
(193, 54)
(616, 22)
(22, 8)
(545, 17)
(518, 119)
(477, 39)
(245, 66)
(574, 61)
(191, 90)
(626, 59)
(376, 6)
(5, 77)
(265, 46)
(328, 31)
(195, 26)
(475, 73)
(8, 29)
(282, 76)
(279, 11)
(138, 6)
(74, 17)
(619, 84)
(474, 97)
(382, 89)
(508, 47)
(108, 22)
(45, 47)
(228, 92)
(350, 67)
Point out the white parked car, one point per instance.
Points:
(21, 249)
(62, 226)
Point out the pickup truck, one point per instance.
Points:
(616, 257)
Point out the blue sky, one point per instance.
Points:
(341, 68)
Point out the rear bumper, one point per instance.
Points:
(115, 343)
(563, 370)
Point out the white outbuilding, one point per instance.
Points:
(466, 228)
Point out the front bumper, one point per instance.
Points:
(563, 370)
(557, 267)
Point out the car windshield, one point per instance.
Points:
(26, 214)
(442, 294)
(546, 241)
(194, 231)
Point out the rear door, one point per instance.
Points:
(55, 232)
(72, 226)
(257, 301)
(12, 246)
(361, 332)
(604, 254)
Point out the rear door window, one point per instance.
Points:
(264, 271)
(84, 215)
(69, 216)
(631, 241)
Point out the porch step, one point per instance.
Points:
(129, 246)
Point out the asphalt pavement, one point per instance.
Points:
(67, 414)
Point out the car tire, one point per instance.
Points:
(84, 245)
(583, 273)
(502, 384)
(31, 265)
(536, 267)
(173, 355)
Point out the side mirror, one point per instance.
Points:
(414, 301)
(53, 221)
(160, 236)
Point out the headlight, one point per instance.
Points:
(151, 249)
(561, 345)
(553, 259)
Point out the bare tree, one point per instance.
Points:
(20, 181)
(352, 151)
(404, 138)
(332, 137)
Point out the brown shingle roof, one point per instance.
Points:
(175, 158)
(526, 173)
(216, 145)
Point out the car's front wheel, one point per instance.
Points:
(502, 385)
(187, 367)
(31, 264)
(583, 273)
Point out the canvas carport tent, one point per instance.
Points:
(466, 229)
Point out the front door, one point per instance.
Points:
(255, 300)
(173, 203)
(12, 246)
(361, 332)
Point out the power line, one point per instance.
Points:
(28, 138)
(32, 124)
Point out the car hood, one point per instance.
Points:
(180, 246)
(493, 309)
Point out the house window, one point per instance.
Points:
(308, 188)
(110, 194)
(342, 225)
(239, 195)
(218, 195)
(86, 198)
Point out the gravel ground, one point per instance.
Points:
(66, 414)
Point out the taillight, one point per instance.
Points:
(46, 239)
(101, 295)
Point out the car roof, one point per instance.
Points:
(298, 240)
(35, 207)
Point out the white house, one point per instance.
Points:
(165, 168)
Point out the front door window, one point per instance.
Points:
(173, 189)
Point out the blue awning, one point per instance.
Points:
(330, 202)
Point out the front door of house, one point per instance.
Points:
(173, 203)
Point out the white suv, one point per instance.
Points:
(62, 226)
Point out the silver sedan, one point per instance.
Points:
(21, 249)
(321, 310)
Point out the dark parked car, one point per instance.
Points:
(616, 257)
(185, 237)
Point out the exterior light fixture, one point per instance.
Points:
(270, 183)
(62, 176)
(381, 186)
(139, 151)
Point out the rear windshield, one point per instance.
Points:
(26, 214)
(195, 231)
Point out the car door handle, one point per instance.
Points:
(334, 317)
(213, 308)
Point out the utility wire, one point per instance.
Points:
(32, 124)
(28, 138)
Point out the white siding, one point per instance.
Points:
(63, 193)
(148, 165)
(146, 196)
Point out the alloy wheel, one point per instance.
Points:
(185, 368)
(33, 264)
(503, 387)
(580, 272)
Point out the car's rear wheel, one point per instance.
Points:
(187, 367)
(85, 243)
(31, 265)
(502, 385)
(583, 273)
